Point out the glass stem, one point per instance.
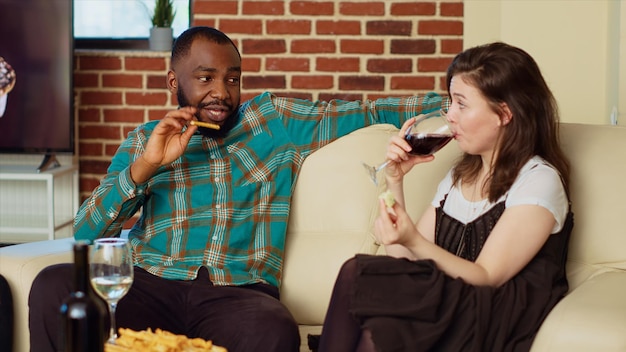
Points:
(113, 330)
(383, 165)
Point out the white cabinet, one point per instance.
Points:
(36, 206)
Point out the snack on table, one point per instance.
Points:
(390, 200)
(159, 341)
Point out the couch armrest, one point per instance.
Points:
(592, 317)
(19, 265)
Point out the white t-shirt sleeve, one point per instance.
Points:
(540, 184)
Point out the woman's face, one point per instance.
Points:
(475, 124)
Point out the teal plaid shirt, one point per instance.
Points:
(225, 203)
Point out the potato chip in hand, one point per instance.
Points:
(389, 200)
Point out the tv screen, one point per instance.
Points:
(36, 93)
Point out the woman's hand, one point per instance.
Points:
(395, 228)
(398, 152)
(166, 144)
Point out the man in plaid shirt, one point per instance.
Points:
(208, 246)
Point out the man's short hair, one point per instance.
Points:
(182, 45)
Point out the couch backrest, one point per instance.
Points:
(598, 195)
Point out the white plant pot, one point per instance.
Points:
(161, 38)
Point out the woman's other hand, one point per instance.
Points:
(395, 229)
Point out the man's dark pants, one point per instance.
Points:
(245, 318)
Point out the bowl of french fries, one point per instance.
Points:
(159, 341)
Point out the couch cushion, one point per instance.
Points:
(586, 317)
(598, 192)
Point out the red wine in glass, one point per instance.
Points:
(429, 133)
(427, 144)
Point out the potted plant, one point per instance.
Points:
(161, 33)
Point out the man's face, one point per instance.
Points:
(208, 78)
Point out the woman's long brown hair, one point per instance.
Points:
(506, 74)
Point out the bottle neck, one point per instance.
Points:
(81, 267)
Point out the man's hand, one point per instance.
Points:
(166, 144)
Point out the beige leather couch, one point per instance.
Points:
(335, 204)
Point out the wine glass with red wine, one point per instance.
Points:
(429, 133)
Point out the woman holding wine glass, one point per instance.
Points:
(485, 263)
(425, 135)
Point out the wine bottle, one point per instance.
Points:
(83, 313)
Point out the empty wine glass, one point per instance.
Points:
(111, 273)
(429, 133)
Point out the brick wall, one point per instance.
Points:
(308, 49)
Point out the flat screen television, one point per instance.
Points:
(37, 51)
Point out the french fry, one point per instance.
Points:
(205, 124)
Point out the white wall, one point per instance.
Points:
(579, 45)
